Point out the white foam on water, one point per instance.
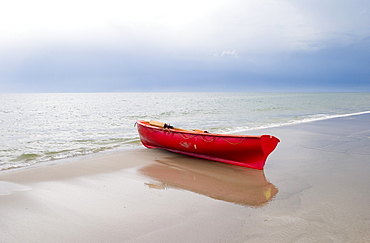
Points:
(311, 118)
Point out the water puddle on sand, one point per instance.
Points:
(7, 188)
(235, 184)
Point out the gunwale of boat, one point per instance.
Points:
(176, 130)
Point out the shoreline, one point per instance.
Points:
(124, 149)
(314, 188)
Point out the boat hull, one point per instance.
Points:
(248, 151)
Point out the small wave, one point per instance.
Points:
(312, 118)
(167, 113)
(26, 157)
(51, 153)
(268, 109)
(297, 120)
(10, 166)
(231, 130)
(82, 147)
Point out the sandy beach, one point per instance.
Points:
(315, 188)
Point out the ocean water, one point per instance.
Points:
(39, 128)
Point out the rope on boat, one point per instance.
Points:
(214, 138)
(234, 143)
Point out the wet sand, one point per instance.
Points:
(315, 188)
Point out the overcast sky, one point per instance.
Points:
(192, 45)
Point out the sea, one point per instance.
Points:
(40, 128)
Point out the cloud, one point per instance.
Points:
(130, 43)
(200, 27)
(226, 54)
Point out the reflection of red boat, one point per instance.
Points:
(248, 151)
(233, 184)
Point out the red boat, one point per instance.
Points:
(247, 151)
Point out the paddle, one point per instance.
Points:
(165, 125)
